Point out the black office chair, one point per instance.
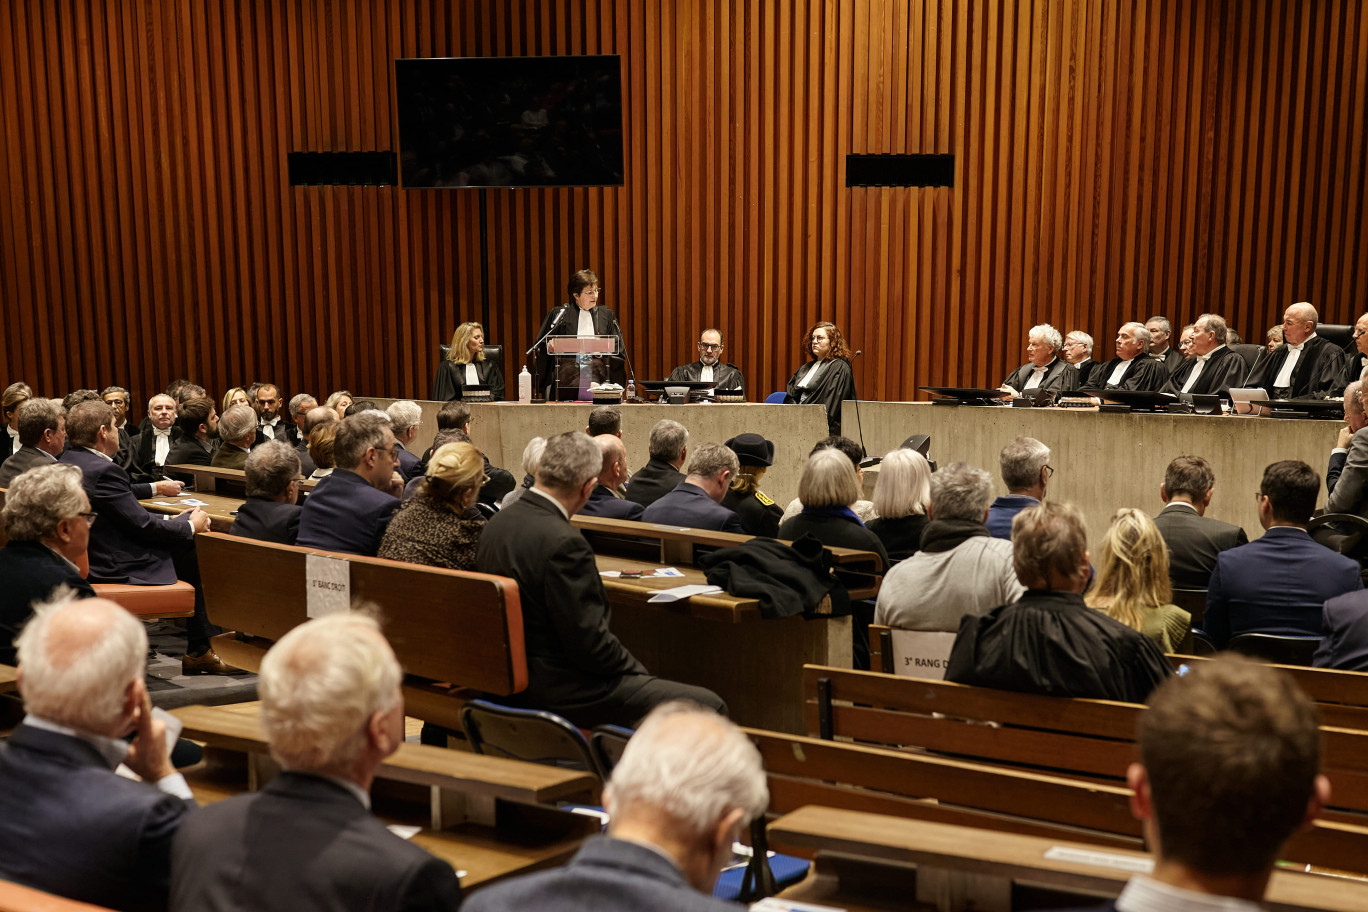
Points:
(608, 742)
(534, 735)
(1193, 601)
(1250, 352)
(1341, 334)
(1201, 644)
(1282, 650)
(1342, 533)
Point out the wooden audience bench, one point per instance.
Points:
(220, 509)
(450, 629)
(1341, 697)
(230, 482)
(803, 771)
(906, 859)
(711, 640)
(1090, 740)
(490, 817)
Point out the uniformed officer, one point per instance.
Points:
(759, 515)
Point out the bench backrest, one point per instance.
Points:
(445, 625)
(1340, 696)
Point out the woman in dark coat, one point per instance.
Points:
(826, 379)
(759, 514)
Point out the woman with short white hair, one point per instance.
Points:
(901, 496)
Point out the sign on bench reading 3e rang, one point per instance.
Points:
(329, 585)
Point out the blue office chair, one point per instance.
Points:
(779, 398)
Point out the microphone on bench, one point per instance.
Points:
(868, 461)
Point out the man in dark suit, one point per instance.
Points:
(1194, 540)
(1077, 351)
(308, 839)
(1044, 368)
(1195, 731)
(45, 519)
(300, 406)
(1129, 370)
(406, 418)
(129, 544)
(570, 375)
(1161, 335)
(710, 367)
(1346, 478)
(687, 784)
(268, 407)
(153, 443)
(271, 510)
(42, 437)
(1211, 367)
(603, 501)
(668, 446)
(351, 508)
(1345, 621)
(575, 665)
(1278, 583)
(198, 422)
(238, 433)
(119, 399)
(1305, 365)
(696, 502)
(68, 824)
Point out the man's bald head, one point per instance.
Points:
(1299, 322)
(77, 660)
(317, 416)
(614, 471)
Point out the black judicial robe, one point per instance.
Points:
(1144, 374)
(450, 379)
(607, 369)
(1318, 373)
(1059, 377)
(833, 384)
(1224, 369)
(726, 376)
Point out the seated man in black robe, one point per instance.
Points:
(1129, 370)
(1048, 641)
(1045, 368)
(1211, 367)
(710, 366)
(1305, 366)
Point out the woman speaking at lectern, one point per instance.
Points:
(827, 378)
(584, 316)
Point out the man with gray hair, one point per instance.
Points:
(237, 431)
(1049, 641)
(1161, 333)
(1128, 370)
(1077, 351)
(575, 665)
(68, 823)
(961, 569)
(696, 502)
(1044, 368)
(406, 417)
(604, 500)
(1211, 367)
(350, 510)
(1026, 470)
(42, 437)
(45, 520)
(688, 783)
(332, 712)
(668, 446)
(300, 407)
(1306, 365)
(271, 510)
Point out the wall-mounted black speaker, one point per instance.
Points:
(917, 170)
(346, 168)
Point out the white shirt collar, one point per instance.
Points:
(1300, 345)
(272, 423)
(161, 433)
(1145, 894)
(559, 506)
(1209, 355)
(13, 432)
(103, 456)
(63, 557)
(113, 750)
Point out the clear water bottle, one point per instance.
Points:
(631, 390)
(524, 386)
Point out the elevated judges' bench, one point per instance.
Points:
(721, 641)
(488, 817)
(449, 629)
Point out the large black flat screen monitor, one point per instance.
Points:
(509, 121)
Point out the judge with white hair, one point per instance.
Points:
(1044, 368)
(69, 825)
(332, 711)
(687, 783)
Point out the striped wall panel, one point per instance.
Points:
(1114, 159)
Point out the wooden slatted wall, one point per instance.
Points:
(1115, 159)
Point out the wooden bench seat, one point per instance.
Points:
(176, 600)
(450, 629)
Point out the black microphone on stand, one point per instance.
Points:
(631, 371)
(535, 345)
(868, 461)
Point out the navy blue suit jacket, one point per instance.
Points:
(603, 502)
(30, 570)
(1275, 584)
(689, 505)
(127, 543)
(302, 843)
(267, 520)
(606, 875)
(1346, 633)
(409, 465)
(71, 827)
(1003, 511)
(344, 513)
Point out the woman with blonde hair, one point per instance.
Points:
(339, 402)
(901, 496)
(15, 395)
(235, 396)
(466, 365)
(1133, 581)
(440, 526)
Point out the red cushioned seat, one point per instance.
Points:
(150, 602)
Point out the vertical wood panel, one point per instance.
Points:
(1113, 160)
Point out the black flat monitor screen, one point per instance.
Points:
(509, 121)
